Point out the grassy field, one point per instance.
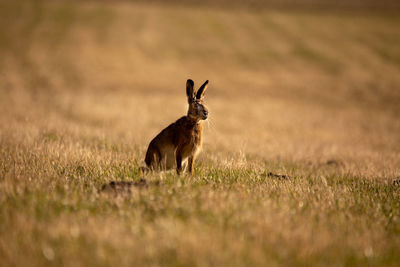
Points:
(310, 94)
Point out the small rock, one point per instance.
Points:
(278, 176)
(123, 186)
(334, 162)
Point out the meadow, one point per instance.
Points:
(301, 158)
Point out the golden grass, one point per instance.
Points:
(310, 95)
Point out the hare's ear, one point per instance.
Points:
(202, 90)
(190, 90)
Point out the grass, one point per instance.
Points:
(85, 86)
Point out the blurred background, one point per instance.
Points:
(299, 80)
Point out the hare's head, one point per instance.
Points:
(197, 109)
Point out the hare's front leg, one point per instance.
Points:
(178, 163)
(191, 163)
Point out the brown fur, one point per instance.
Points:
(180, 141)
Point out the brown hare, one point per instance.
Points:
(179, 143)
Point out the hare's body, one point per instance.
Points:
(182, 137)
(177, 145)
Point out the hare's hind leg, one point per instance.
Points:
(153, 158)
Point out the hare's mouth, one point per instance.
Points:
(205, 115)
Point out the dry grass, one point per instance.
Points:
(311, 95)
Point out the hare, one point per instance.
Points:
(179, 143)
